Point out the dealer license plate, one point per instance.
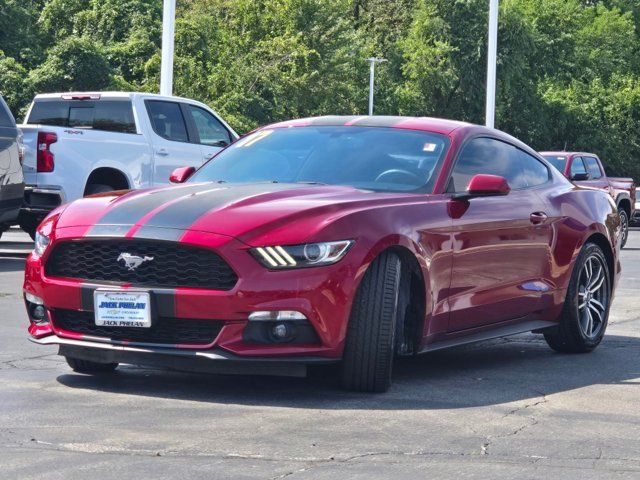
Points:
(122, 309)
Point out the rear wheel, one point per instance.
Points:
(86, 366)
(624, 223)
(369, 349)
(586, 309)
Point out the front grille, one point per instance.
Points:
(163, 330)
(173, 265)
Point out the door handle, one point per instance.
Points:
(537, 218)
(208, 156)
(162, 151)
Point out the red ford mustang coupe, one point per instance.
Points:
(332, 239)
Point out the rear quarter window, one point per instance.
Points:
(104, 115)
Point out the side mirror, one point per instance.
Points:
(580, 177)
(482, 185)
(182, 174)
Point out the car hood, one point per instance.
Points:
(255, 214)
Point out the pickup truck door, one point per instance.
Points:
(210, 132)
(172, 142)
(598, 178)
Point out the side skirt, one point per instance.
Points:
(487, 334)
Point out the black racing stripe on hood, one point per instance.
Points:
(128, 211)
(182, 214)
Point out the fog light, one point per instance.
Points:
(38, 313)
(280, 331)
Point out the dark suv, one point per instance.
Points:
(11, 179)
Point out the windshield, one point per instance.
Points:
(558, 161)
(373, 158)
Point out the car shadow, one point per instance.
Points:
(487, 373)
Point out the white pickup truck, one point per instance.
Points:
(78, 144)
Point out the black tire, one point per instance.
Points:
(368, 355)
(569, 336)
(94, 188)
(86, 366)
(624, 223)
(29, 223)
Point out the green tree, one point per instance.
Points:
(73, 64)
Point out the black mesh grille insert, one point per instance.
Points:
(173, 265)
(163, 329)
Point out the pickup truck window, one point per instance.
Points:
(593, 167)
(167, 120)
(209, 128)
(105, 115)
(577, 166)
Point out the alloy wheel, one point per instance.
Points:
(593, 296)
(624, 223)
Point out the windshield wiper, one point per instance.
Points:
(311, 183)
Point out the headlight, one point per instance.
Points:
(41, 243)
(300, 256)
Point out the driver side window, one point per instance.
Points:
(494, 157)
(483, 155)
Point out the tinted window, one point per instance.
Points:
(6, 119)
(558, 161)
(493, 157)
(593, 167)
(209, 128)
(373, 158)
(167, 120)
(577, 166)
(534, 172)
(107, 115)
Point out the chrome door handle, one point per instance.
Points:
(538, 217)
(162, 151)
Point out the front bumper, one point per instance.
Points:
(324, 295)
(210, 361)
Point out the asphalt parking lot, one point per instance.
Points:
(509, 408)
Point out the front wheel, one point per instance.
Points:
(624, 224)
(369, 349)
(586, 308)
(86, 366)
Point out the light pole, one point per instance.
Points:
(492, 59)
(166, 66)
(372, 73)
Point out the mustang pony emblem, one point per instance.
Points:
(133, 261)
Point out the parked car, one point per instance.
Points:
(325, 240)
(79, 144)
(11, 180)
(586, 170)
(635, 220)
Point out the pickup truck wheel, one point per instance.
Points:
(98, 188)
(368, 354)
(86, 366)
(624, 223)
(584, 317)
(29, 224)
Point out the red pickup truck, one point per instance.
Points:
(586, 170)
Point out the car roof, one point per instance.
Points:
(435, 125)
(568, 154)
(108, 95)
